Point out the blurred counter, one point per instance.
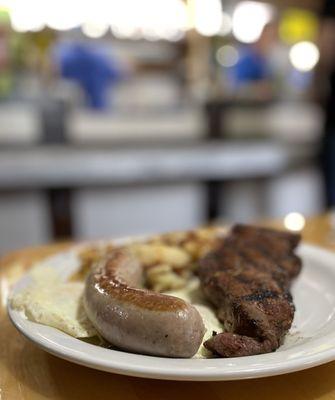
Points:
(59, 166)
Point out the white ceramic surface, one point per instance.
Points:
(310, 342)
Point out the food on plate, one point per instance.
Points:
(196, 242)
(201, 293)
(88, 255)
(247, 279)
(193, 294)
(51, 302)
(169, 259)
(167, 267)
(137, 319)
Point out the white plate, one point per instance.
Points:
(310, 342)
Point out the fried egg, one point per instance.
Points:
(49, 301)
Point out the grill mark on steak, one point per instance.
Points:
(266, 294)
(247, 278)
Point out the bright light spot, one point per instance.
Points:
(227, 56)
(208, 17)
(304, 56)
(154, 19)
(94, 30)
(26, 16)
(125, 32)
(249, 19)
(63, 15)
(151, 19)
(153, 34)
(294, 221)
(150, 34)
(226, 24)
(124, 24)
(5, 4)
(172, 34)
(96, 23)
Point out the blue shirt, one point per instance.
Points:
(251, 67)
(91, 68)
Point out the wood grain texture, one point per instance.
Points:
(26, 372)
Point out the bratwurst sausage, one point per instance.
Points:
(136, 319)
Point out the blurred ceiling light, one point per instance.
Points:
(208, 17)
(153, 34)
(165, 20)
(26, 16)
(125, 31)
(125, 25)
(304, 56)
(227, 56)
(226, 24)
(63, 15)
(153, 19)
(294, 221)
(172, 35)
(150, 34)
(94, 30)
(150, 19)
(249, 19)
(96, 22)
(5, 6)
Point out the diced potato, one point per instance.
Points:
(151, 254)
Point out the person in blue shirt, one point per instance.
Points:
(94, 70)
(252, 69)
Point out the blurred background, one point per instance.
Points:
(136, 116)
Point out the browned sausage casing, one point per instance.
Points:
(136, 319)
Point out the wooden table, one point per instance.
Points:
(26, 372)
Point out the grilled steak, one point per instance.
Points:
(247, 278)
